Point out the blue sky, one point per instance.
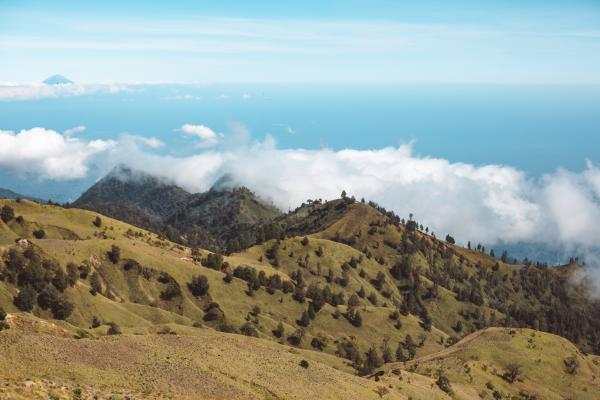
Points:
(312, 41)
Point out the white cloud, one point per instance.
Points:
(207, 136)
(183, 97)
(48, 154)
(151, 142)
(487, 204)
(35, 91)
(72, 131)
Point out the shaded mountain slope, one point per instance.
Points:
(223, 218)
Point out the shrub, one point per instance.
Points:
(213, 261)
(97, 222)
(318, 343)
(199, 285)
(7, 213)
(114, 255)
(39, 234)
(279, 331)
(571, 365)
(96, 322)
(2, 314)
(171, 291)
(304, 241)
(62, 308)
(304, 319)
(249, 329)
(113, 329)
(213, 312)
(353, 316)
(25, 300)
(512, 373)
(304, 364)
(443, 383)
(296, 338)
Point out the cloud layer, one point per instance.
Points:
(35, 91)
(48, 154)
(487, 204)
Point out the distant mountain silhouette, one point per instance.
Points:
(57, 80)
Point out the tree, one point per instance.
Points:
(344, 195)
(199, 285)
(39, 234)
(72, 274)
(60, 280)
(97, 222)
(353, 301)
(450, 239)
(399, 353)
(25, 299)
(372, 361)
(410, 346)
(353, 316)
(7, 213)
(114, 255)
(96, 283)
(304, 319)
(62, 307)
(2, 314)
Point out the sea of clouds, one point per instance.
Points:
(487, 204)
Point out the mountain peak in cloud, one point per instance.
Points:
(57, 80)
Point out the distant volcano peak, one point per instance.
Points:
(57, 80)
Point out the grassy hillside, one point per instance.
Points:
(343, 285)
(550, 366)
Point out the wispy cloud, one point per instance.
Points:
(208, 137)
(34, 91)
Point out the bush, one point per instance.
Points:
(213, 261)
(7, 213)
(318, 343)
(304, 241)
(249, 329)
(114, 255)
(2, 314)
(512, 373)
(353, 316)
(97, 222)
(279, 331)
(444, 383)
(113, 329)
(304, 364)
(25, 300)
(39, 234)
(571, 365)
(171, 291)
(296, 338)
(62, 308)
(213, 312)
(199, 285)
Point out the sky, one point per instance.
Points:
(518, 42)
(480, 118)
